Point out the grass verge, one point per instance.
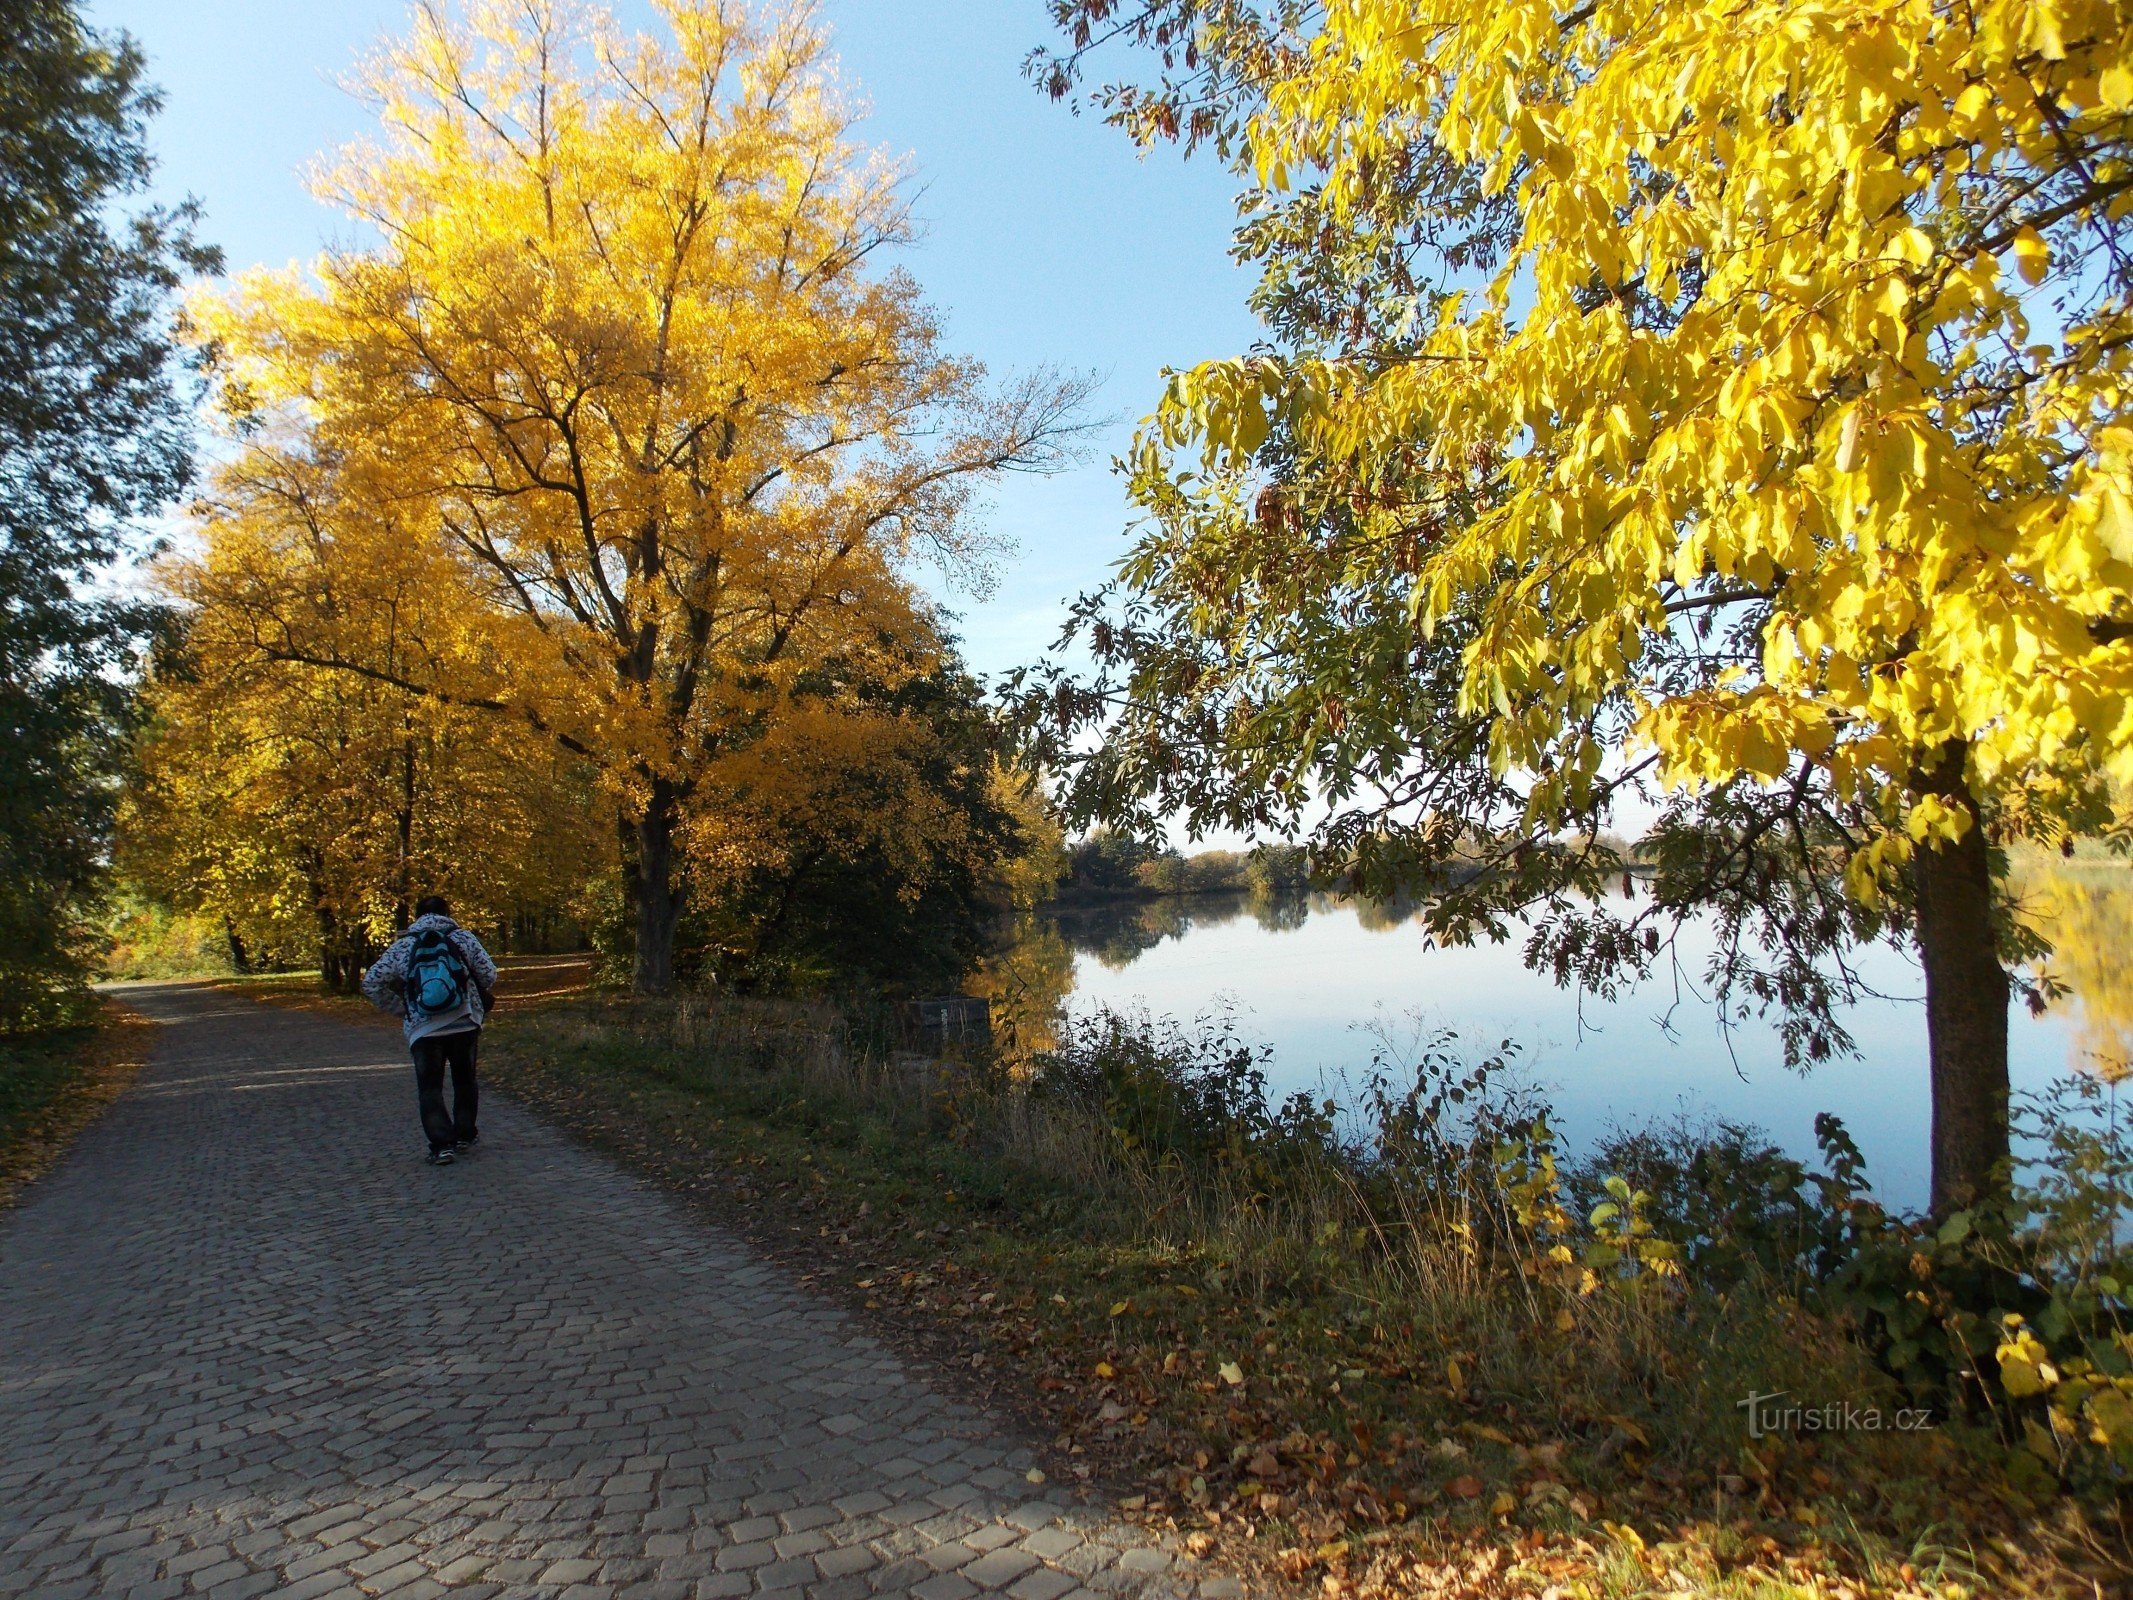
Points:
(1236, 1369)
(53, 1085)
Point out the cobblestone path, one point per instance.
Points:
(251, 1345)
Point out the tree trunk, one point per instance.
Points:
(343, 953)
(654, 894)
(240, 957)
(404, 821)
(329, 944)
(1966, 1001)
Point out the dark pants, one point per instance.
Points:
(432, 1056)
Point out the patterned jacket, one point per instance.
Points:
(385, 984)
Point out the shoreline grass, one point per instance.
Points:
(1224, 1349)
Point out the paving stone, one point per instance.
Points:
(1051, 1543)
(942, 1557)
(309, 1365)
(843, 1563)
(998, 1569)
(1043, 1584)
(742, 1557)
(319, 1586)
(1036, 1514)
(793, 1574)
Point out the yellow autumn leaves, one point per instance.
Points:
(615, 369)
(1813, 307)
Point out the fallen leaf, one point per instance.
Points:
(1231, 1373)
(1464, 1487)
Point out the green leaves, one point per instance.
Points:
(94, 433)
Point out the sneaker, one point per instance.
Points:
(468, 1143)
(441, 1157)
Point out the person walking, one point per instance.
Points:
(442, 984)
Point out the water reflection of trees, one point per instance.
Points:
(1379, 915)
(1119, 932)
(1029, 974)
(1280, 913)
(2086, 911)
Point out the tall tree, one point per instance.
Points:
(1720, 406)
(621, 348)
(93, 433)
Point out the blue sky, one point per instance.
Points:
(1049, 242)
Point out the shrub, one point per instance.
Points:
(1195, 1095)
(1735, 1204)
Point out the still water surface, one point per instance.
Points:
(1318, 982)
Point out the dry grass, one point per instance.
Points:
(1332, 1391)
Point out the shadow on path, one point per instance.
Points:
(250, 1344)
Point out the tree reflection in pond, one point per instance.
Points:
(1029, 975)
(2086, 909)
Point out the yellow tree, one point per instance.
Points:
(622, 350)
(1730, 395)
(2086, 912)
(306, 805)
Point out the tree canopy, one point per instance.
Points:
(1721, 407)
(623, 366)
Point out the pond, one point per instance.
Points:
(1324, 982)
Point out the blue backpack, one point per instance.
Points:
(436, 976)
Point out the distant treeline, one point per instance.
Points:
(1109, 863)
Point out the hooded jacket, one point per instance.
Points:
(385, 984)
